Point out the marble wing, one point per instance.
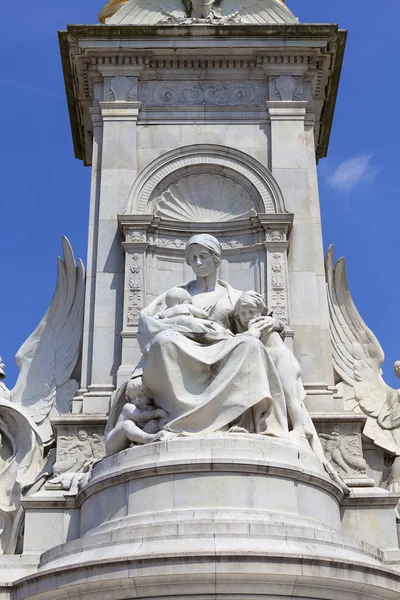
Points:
(357, 354)
(21, 458)
(48, 358)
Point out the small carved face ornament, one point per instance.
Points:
(82, 435)
(201, 260)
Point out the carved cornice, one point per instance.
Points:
(141, 231)
(314, 52)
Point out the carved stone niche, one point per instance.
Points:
(341, 438)
(254, 256)
(202, 189)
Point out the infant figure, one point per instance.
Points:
(179, 303)
(139, 421)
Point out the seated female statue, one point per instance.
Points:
(203, 373)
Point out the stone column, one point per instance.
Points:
(296, 173)
(119, 115)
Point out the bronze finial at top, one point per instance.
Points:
(110, 9)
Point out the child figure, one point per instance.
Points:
(251, 317)
(178, 296)
(139, 422)
(179, 307)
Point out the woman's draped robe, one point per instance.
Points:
(205, 387)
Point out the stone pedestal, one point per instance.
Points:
(227, 515)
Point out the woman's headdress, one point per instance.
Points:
(207, 241)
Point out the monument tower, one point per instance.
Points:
(201, 415)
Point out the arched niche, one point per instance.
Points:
(205, 182)
(202, 189)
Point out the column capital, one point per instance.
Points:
(120, 111)
(293, 110)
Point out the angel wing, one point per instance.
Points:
(49, 356)
(357, 354)
(257, 11)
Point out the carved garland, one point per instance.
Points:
(135, 294)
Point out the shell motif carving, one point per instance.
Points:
(205, 198)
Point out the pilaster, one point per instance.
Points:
(118, 170)
(295, 170)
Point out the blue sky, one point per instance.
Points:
(46, 190)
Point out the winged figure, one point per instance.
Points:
(45, 386)
(357, 358)
(47, 360)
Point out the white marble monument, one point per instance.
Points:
(202, 415)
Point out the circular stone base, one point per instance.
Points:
(221, 516)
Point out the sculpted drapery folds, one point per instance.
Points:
(213, 360)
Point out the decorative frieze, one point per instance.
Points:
(176, 93)
(167, 242)
(240, 242)
(175, 243)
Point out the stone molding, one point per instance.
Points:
(203, 157)
(120, 111)
(288, 110)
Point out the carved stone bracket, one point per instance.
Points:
(286, 88)
(120, 89)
